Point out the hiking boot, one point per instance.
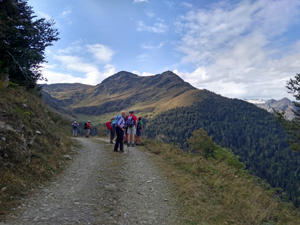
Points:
(128, 144)
(122, 151)
(115, 150)
(125, 142)
(132, 145)
(111, 142)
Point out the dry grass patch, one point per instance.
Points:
(211, 192)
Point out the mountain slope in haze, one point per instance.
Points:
(147, 95)
(284, 104)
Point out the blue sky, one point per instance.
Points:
(239, 49)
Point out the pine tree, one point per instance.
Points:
(292, 127)
(23, 40)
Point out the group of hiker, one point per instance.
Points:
(87, 127)
(126, 127)
(122, 126)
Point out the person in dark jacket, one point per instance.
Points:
(120, 133)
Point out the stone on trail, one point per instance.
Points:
(110, 187)
(67, 157)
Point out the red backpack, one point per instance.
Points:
(108, 125)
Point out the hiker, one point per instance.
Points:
(112, 129)
(139, 131)
(87, 128)
(131, 124)
(120, 125)
(126, 130)
(74, 128)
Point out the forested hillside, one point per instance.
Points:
(249, 131)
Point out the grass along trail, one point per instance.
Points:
(102, 187)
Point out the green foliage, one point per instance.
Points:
(292, 127)
(201, 142)
(23, 40)
(227, 155)
(250, 132)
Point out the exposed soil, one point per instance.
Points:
(102, 187)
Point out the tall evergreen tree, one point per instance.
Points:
(292, 127)
(23, 40)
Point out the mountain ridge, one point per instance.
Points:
(148, 95)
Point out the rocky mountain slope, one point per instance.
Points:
(284, 104)
(123, 91)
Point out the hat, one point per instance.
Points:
(131, 111)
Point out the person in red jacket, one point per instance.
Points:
(88, 129)
(111, 129)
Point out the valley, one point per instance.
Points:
(172, 109)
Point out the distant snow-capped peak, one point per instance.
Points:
(255, 101)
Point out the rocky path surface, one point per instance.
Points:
(102, 187)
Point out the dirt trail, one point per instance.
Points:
(102, 187)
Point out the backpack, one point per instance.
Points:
(85, 126)
(129, 121)
(108, 125)
(139, 125)
(115, 122)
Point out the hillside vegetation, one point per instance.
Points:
(249, 131)
(211, 191)
(32, 142)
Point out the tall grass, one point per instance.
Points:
(211, 191)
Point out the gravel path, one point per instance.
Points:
(102, 187)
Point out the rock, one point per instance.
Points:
(67, 157)
(5, 155)
(110, 187)
(25, 106)
(3, 138)
(38, 132)
(5, 126)
(30, 143)
(46, 190)
(3, 189)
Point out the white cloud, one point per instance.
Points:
(77, 59)
(156, 28)
(237, 49)
(150, 14)
(187, 5)
(150, 46)
(138, 1)
(102, 53)
(65, 13)
(142, 74)
(44, 15)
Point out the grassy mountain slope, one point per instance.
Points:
(212, 192)
(124, 91)
(32, 142)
